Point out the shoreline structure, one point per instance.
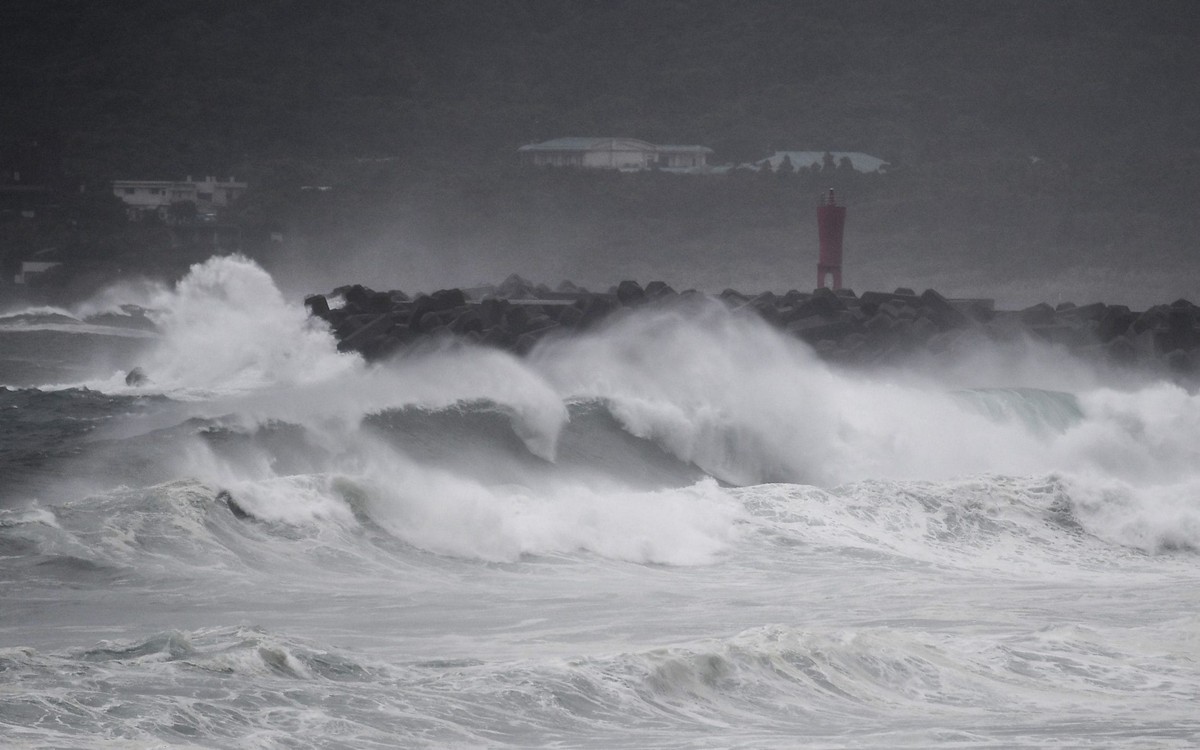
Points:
(842, 327)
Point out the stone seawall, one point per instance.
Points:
(867, 329)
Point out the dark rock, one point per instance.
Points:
(351, 323)
(898, 309)
(658, 289)
(1180, 362)
(526, 341)
(447, 298)
(538, 320)
(1143, 344)
(1094, 311)
(317, 305)
(1068, 335)
(378, 302)
(940, 311)
(335, 316)
(825, 302)
(979, 310)
(630, 294)
(880, 323)
(444, 317)
(384, 346)
(734, 297)
(815, 329)
(443, 299)
(1181, 316)
(1120, 350)
(363, 336)
(595, 308)
(765, 305)
(876, 328)
(923, 329)
(357, 297)
(1151, 320)
(1115, 321)
(875, 299)
(786, 313)
(476, 293)
(467, 321)
(492, 311)
(498, 337)
(1038, 315)
(570, 316)
(1172, 339)
(136, 378)
(515, 287)
(516, 319)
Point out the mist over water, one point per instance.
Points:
(681, 528)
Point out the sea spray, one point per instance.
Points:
(749, 404)
(443, 512)
(719, 390)
(226, 327)
(460, 547)
(1153, 518)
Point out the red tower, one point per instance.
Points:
(831, 220)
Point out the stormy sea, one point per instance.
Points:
(681, 529)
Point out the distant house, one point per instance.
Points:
(157, 196)
(859, 162)
(626, 154)
(31, 269)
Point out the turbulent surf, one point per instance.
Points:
(681, 528)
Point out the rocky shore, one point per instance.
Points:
(843, 327)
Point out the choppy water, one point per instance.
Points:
(682, 530)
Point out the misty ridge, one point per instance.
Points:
(1037, 151)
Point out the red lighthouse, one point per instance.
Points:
(831, 220)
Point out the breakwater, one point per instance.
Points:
(843, 327)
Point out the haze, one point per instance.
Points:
(1037, 151)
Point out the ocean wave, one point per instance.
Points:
(895, 686)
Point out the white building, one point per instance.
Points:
(31, 269)
(860, 162)
(627, 154)
(158, 195)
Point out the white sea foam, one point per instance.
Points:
(114, 299)
(439, 511)
(720, 390)
(998, 553)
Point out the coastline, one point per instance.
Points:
(868, 329)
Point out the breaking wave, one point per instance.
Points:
(616, 441)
